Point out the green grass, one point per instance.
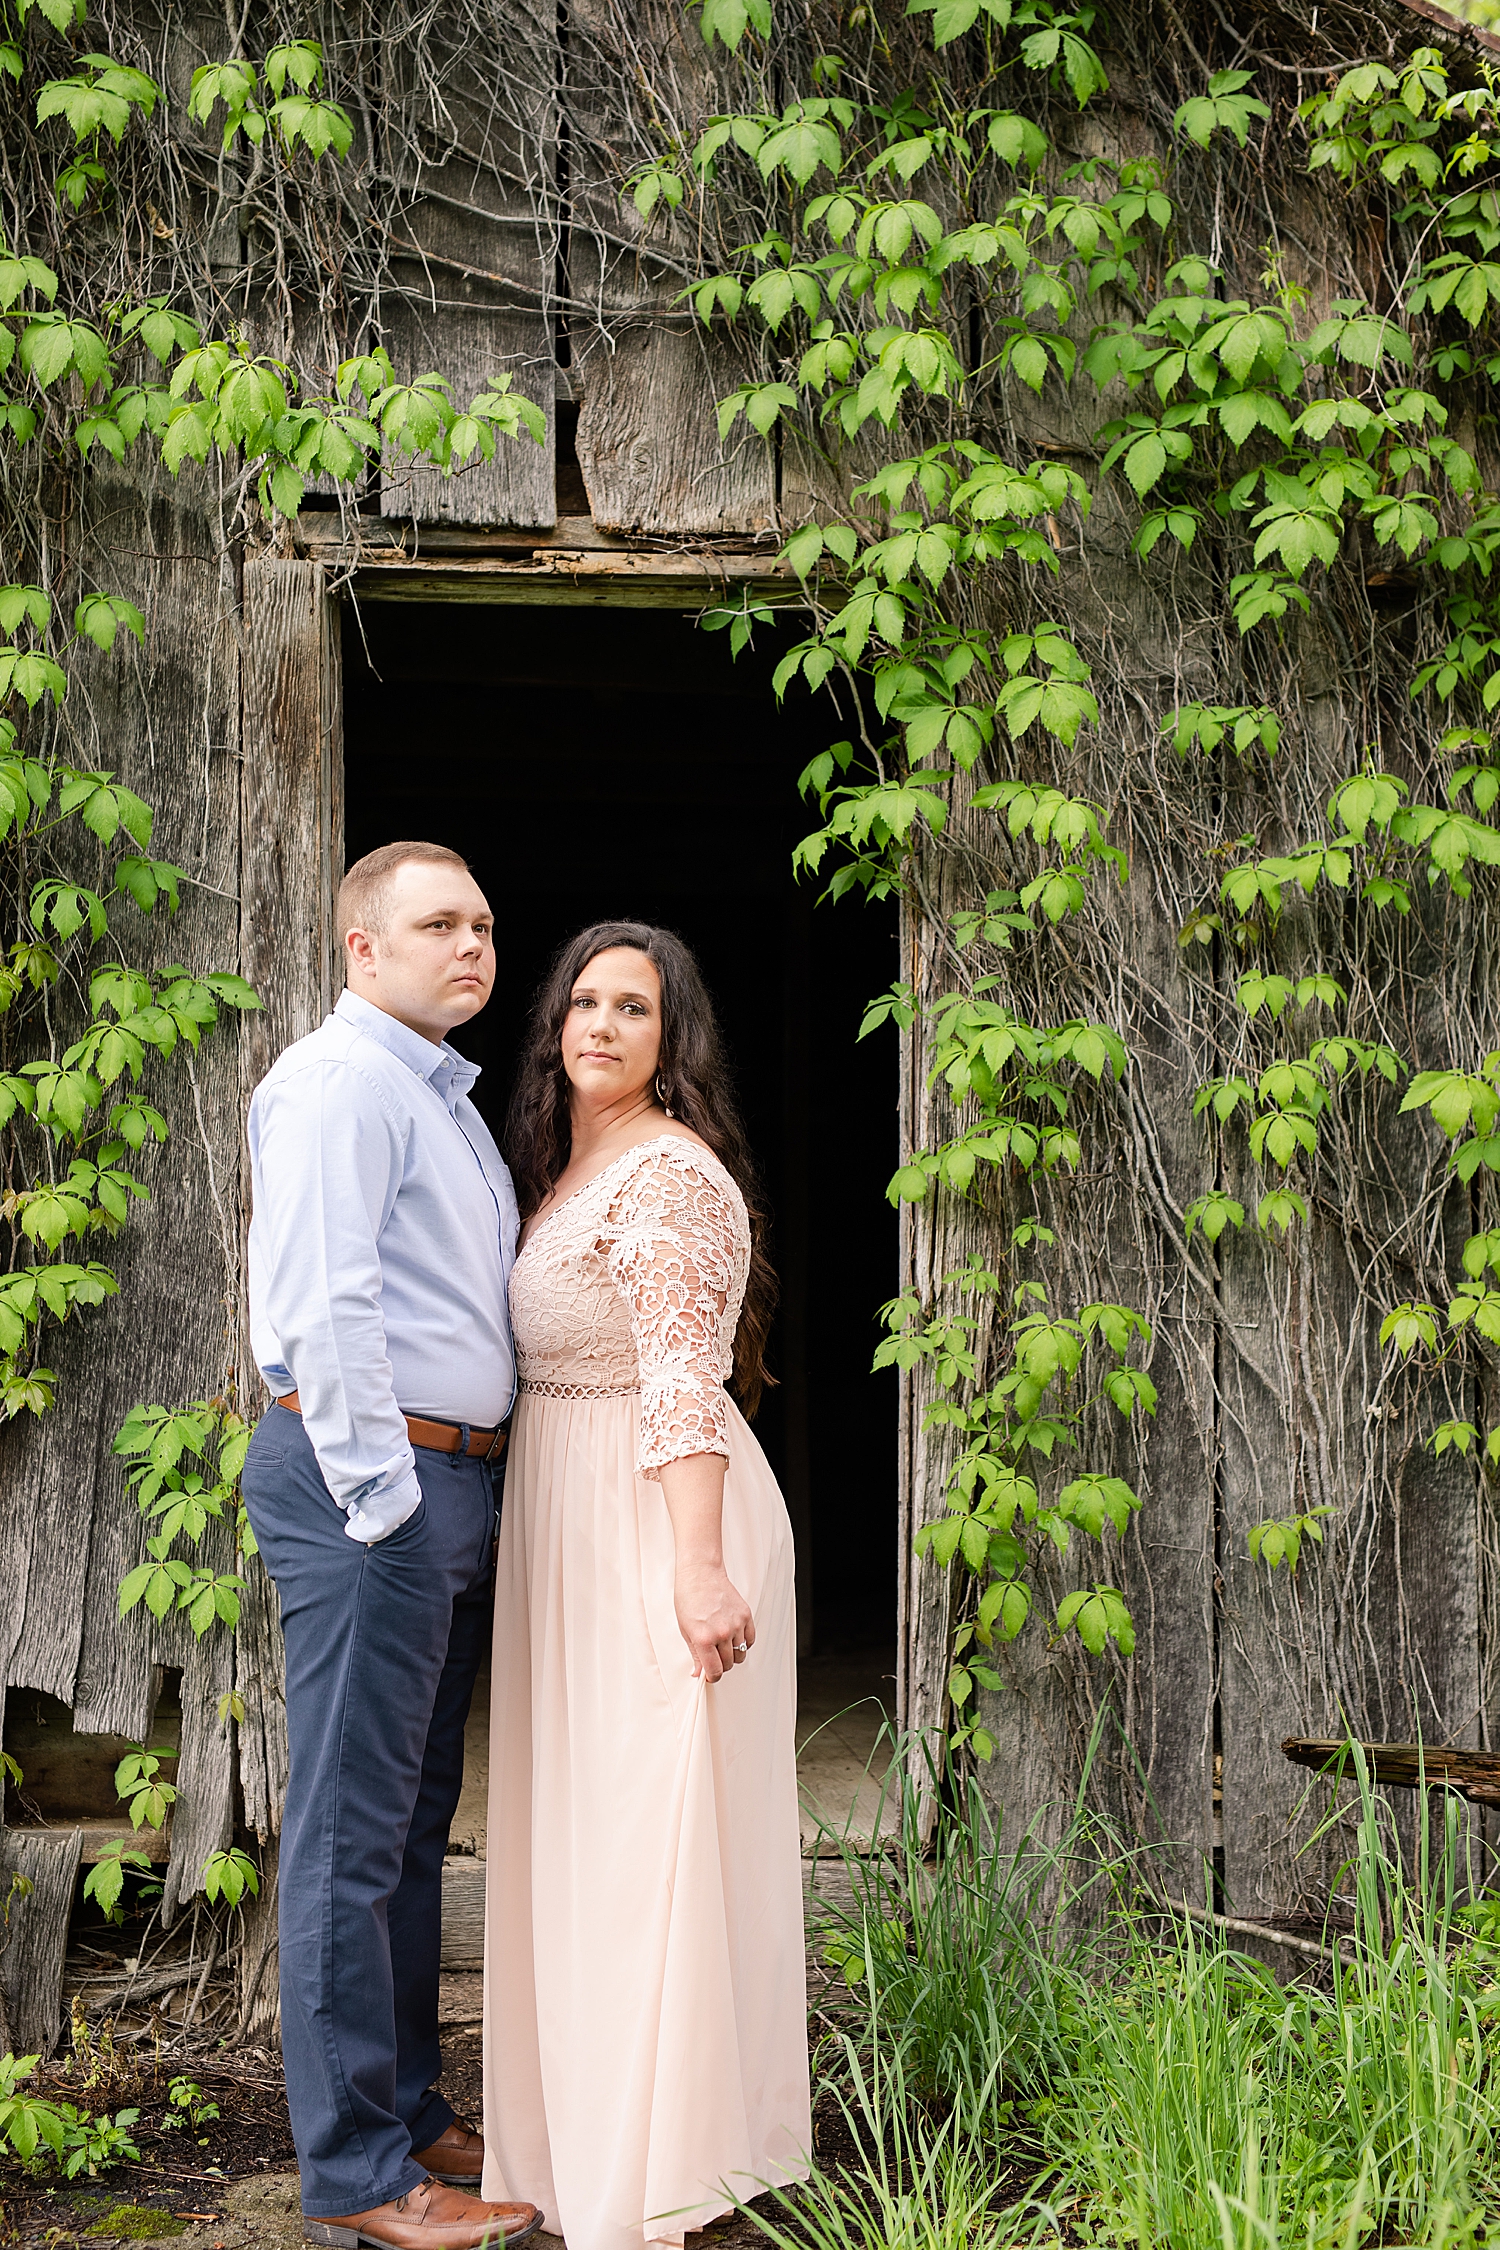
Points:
(1045, 2008)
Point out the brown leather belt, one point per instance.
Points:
(437, 1437)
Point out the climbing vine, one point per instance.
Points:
(926, 261)
(1130, 391)
(142, 377)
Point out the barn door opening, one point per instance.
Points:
(614, 761)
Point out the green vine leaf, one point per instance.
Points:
(1410, 1325)
(729, 20)
(1280, 1539)
(1226, 107)
(1213, 1213)
(1098, 1614)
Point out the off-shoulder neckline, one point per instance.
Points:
(655, 1140)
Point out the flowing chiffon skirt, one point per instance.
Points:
(645, 1985)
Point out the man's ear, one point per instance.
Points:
(359, 955)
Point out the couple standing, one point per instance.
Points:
(645, 2048)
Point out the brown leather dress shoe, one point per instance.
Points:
(429, 2217)
(456, 2157)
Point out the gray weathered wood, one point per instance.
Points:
(292, 802)
(168, 722)
(463, 1912)
(292, 824)
(259, 1996)
(471, 280)
(924, 1602)
(34, 1932)
(648, 440)
(1118, 1229)
(609, 581)
(647, 374)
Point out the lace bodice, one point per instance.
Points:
(637, 1280)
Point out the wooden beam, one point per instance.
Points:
(630, 581)
(292, 856)
(335, 536)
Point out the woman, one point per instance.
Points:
(645, 1997)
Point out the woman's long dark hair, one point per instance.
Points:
(539, 1134)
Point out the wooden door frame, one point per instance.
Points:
(294, 786)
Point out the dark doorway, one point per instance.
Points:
(611, 762)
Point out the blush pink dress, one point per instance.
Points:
(645, 1993)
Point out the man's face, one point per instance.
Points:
(433, 965)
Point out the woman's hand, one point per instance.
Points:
(713, 1618)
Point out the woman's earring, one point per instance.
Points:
(661, 1095)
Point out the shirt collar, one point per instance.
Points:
(446, 1071)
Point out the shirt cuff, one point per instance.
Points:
(375, 1519)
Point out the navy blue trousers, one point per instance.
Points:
(382, 1646)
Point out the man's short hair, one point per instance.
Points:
(365, 893)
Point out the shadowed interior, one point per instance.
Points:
(615, 762)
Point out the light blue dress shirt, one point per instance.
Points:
(383, 1235)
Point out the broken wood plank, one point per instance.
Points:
(35, 1936)
(99, 1837)
(1474, 1774)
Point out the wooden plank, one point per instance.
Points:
(34, 1936)
(937, 1236)
(1406, 1765)
(293, 851)
(259, 1994)
(171, 721)
(167, 720)
(647, 374)
(1125, 1229)
(470, 283)
(323, 537)
(184, 717)
(1118, 1233)
(203, 1817)
(648, 439)
(463, 1912)
(1382, 1630)
(292, 803)
(635, 586)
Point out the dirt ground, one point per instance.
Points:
(230, 2186)
(231, 2183)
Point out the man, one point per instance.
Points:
(383, 1236)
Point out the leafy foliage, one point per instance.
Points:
(182, 1501)
(229, 1875)
(95, 1017)
(1007, 1432)
(105, 1881)
(914, 259)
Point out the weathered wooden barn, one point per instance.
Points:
(509, 660)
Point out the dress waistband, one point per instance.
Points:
(576, 1390)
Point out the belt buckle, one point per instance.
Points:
(496, 1444)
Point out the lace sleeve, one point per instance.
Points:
(674, 1252)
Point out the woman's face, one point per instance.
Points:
(611, 1036)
